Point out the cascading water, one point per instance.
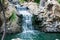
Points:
(28, 30)
(27, 22)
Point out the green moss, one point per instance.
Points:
(13, 16)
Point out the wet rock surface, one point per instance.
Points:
(49, 18)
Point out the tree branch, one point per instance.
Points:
(4, 31)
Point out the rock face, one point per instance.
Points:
(1, 22)
(34, 7)
(51, 18)
(12, 25)
(1, 13)
(48, 16)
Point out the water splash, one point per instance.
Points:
(27, 23)
(28, 30)
(27, 19)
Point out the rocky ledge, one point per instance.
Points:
(48, 16)
(12, 20)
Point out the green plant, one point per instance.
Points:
(37, 1)
(58, 1)
(13, 16)
(21, 1)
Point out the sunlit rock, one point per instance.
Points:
(12, 25)
(51, 16)
(9, 11)
(34, 8)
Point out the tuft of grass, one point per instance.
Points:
(13, 16)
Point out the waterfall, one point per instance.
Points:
(27, 22)
(27, 19)
(28, 30)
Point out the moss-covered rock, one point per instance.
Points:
(11, 20)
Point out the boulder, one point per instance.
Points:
(34, 8)
(12, 25)
(51, 17)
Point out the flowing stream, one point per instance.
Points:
(27, 23)
(28, 29)
(26, 20)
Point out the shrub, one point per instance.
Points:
(58, 1)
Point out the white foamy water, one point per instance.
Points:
(27, 19)
(27, 22)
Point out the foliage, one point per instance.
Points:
(1, 1)
(37, 1)
(58, 1)
(21, 1)
(13, 16)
